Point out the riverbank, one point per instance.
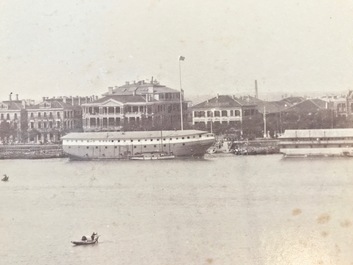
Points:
(252, 147)
(31, 151)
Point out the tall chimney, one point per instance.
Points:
(110, 90)
(10, 96)
(256, 91)
(17, 97)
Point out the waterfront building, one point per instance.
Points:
(223, 111)
(73, 101)
(308, 114)
(338, 105)
(135, 106)
(13, 118)
(51, 119)
(349, 100)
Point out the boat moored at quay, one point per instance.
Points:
(123, 145)
(317, 143)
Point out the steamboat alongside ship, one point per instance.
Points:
(124, 145)
(317, 143)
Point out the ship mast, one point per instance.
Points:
(181, 58)
(265, 129)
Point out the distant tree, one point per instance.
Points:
(6, 130)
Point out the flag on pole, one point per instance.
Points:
(181, 58)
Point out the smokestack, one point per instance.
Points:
(256, 90)
(10, 96)
(17, 97)
(110, 89)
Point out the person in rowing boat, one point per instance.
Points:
(93, 235)
(5, 178)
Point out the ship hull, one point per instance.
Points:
(317, 143)
(114, 149)
(315, 152)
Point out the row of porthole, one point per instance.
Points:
(311, 146)
(134, 140)
(135, 146)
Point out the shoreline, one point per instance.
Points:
(31, 151)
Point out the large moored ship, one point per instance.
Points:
(122, 145)
(318, 142)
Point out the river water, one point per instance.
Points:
(220, 210)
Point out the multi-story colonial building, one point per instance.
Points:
(223, 111)
(13, 118)
(51, 119)
(137, 106)
(349, 99)
(338, 104)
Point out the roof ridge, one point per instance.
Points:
(311, 99)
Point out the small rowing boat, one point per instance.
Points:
(85, 242)
(152, 156)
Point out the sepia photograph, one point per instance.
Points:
(164, 132)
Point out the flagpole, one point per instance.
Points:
(181, 58)
(265, 129)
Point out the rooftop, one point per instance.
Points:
(327, 133)
(140, 88)
(224, 101)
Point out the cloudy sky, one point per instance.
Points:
(80, 47)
